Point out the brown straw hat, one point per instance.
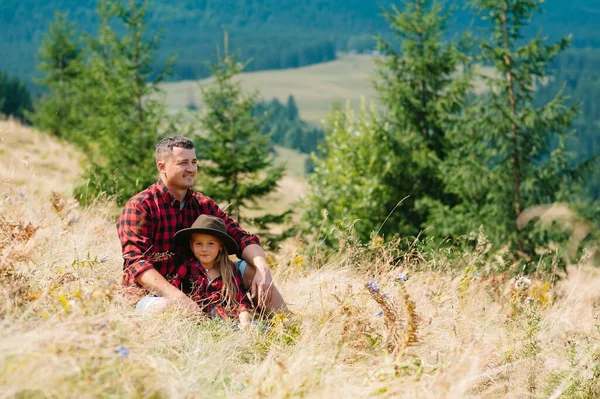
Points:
(207, 224)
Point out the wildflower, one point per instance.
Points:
(522, 282)
(103, 259)
(122, 351)
(73, 219)
(380, 313)
(401, 277)
(386, 295)
(372, 286)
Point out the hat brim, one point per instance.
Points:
(182, 237)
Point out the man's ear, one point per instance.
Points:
(160, 165)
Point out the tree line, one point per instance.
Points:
(440, 161)
(15, 99)
(283, 124)
(435, 159)
(270, 33)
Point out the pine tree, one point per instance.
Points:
(292, 109)
(15, 99)
(237, 166)
(348, 178)
(60, 61)
(420, 89)
(509, 154)
(120, 121)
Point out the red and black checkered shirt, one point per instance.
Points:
(146, 228)
(191, 278)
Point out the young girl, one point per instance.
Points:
(210, 278)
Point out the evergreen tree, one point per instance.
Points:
(285, 127)
(237, 167)
(120, 121)
(15, 99)
(508, 154)
(577, 71)
(420, 90)
(60, 60)
(292, 108)
(348, 178)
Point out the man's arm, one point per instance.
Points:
(135, 231)
(154, 282)
(262, 281)
(134, 228)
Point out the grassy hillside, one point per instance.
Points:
(32, 163)
(315, 87)
(447, 332)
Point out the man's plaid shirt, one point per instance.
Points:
(146, 228)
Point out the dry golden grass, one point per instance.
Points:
(64, 332)
(34, 161)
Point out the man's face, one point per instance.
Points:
(178, 171)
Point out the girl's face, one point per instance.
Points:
(205, 248)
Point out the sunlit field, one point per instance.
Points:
(316, 88)
(369, 321)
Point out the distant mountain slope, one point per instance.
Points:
(316, 88)
(273, 33)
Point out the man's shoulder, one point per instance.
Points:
(143, 202)
(199, 196)
(202, 199)
(143, 196)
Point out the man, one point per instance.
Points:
(149, 221)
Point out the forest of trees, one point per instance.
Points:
(270, 33)
(433, 158)
(15, 99)
(283, 124)
(437, 161)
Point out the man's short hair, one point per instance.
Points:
(164, 148)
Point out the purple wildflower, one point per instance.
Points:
(122, 351)
(380, 313)
(401, 277)
(103, 259)
(372, 286)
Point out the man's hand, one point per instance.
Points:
(187, 304)
(154, 282)
(261, 283)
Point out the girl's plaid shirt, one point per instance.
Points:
(191, 278)
(146, 228)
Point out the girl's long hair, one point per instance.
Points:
(229, 288)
